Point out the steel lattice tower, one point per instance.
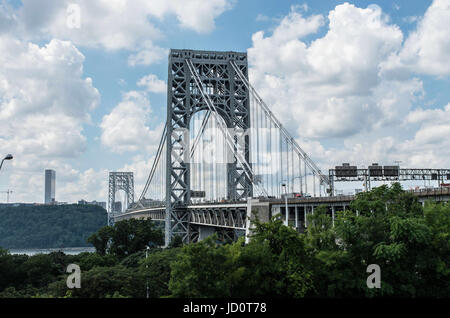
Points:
(119, 181)
(230, 97)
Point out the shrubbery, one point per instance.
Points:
(386, 226)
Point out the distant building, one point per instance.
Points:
(102, 204)
(50, 178)
(8, 205)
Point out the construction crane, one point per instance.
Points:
(7, 194)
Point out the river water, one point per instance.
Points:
(65, 250)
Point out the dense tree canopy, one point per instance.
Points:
(386, 226)
(126, 237)
(49, 226)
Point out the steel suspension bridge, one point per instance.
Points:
(221, 146)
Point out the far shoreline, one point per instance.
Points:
(65, 250)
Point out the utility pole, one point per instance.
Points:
(286, 221)
(7, 194)
(146, 266)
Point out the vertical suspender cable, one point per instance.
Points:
(308, 161)
(306, 177)
(238, 155)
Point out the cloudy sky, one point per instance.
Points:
(359, 82)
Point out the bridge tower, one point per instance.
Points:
(223, 89)
(119, 181)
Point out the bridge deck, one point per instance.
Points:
(233, 215)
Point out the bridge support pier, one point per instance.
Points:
(261, 210)
(333, 210)
(304, 214)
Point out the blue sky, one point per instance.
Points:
(390, 118)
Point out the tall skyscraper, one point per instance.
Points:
(50, 177)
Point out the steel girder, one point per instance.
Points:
(231, 99)
(232, 218)
(119, 181)
(404, 174)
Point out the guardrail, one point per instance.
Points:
(340, 198)
(430, 191)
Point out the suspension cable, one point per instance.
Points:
(246, 168)
(278, 124)
(155, 163)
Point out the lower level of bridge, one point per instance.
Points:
(232, 220)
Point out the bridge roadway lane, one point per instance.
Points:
(233, 215)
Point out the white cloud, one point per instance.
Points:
(262, 18)
(335, 78)
(44, 100)
(429, 139)
(198, 15)
(431, 116)
(427, 49)
(8, 19)
(112, 24)
(89, 185)
(152, 83)
(108, 24)
(125, 128)
(115, 24)
(283, 46)
(147, 54)
(44, 103)
(71, 184)
(410, 19)
(340, 94)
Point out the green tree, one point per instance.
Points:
(273, 264)
(127, 237)
(436, 270)
(40, 270)
(88, 261)
(101, 239)
(157, 269)
(386, 226)
(202, 270)
(331, 274)
(9, 269)
(287, 261)
(101, 282)
(131, 236)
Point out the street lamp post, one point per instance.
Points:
(8, 157)
(286, 221)
(146, 266)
